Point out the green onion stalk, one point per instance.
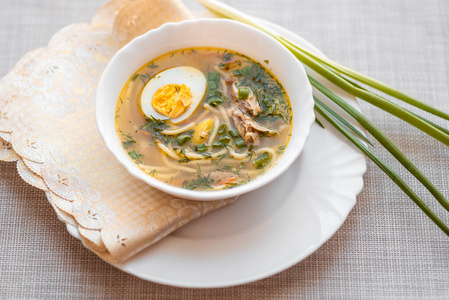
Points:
(344, 77)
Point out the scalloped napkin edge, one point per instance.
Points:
(52, 88)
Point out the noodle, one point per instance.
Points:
(193, 155)
(158, 169)
(178, 130)
(214, 133)
(238, 155)
(167, 151)
(157, 174)
(203, 115)
(201, 162)
(223, 86)
(208, 107)
(177, 166)
(225, 116)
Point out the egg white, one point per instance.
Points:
(191, 77)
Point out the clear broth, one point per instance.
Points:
(217, 167)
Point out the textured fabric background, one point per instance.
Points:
(386, 249)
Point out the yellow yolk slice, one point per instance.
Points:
(172, 100)
(173, 94)
(202, 131)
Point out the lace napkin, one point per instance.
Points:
(47, 126)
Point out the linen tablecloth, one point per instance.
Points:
(387, 248)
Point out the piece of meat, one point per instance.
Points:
(249, 129)
(220, 178)
(249, 105)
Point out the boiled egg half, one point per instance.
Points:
(173, 94)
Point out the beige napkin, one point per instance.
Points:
(47, 125)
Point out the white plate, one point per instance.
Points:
(266, 231)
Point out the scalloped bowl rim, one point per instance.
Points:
(293, 77)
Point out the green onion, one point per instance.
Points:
(134, 77)
(246, 71)
(222, 128)
(213, 76)
(225, 139)
(182, 139)
(266, 155)
(240, 143)
(395, 177)
(215, 101)
(234, 133)
(218, 93)
(243, 93)
(342, 120)
(383, 139)
(259, 163)
(201, 148)
(217, 145)
(243, 72)
(133, 154)
(372, 98)
(212, 85)
(373, 83)
(334, 72)
(262, 160)
(210, 94)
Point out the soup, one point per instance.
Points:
(204, 119)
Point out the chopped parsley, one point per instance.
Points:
(134, 155)
(226, 56)
(116, 113)
(281, 149)
(155, 126)
(152, 65)
(268, 92)
(128, 142)
(144, 78)
(202, 182)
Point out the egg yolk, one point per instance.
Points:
(172, 100)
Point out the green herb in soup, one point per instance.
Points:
(203, 119)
